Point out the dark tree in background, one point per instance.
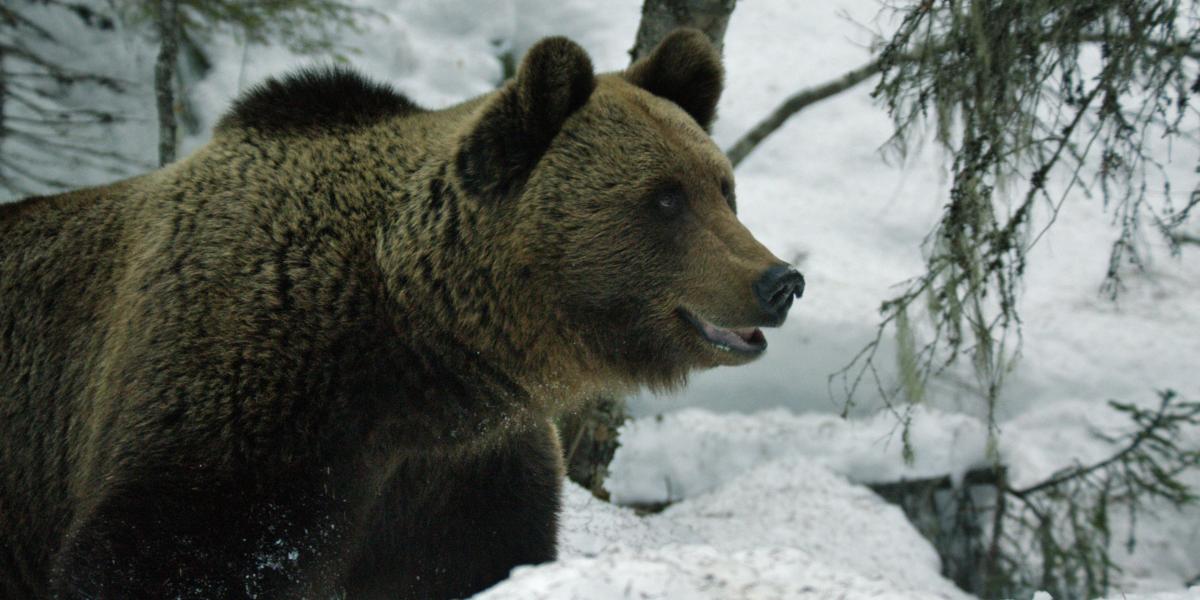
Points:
(589, 436)
(164, 78)
(304, 26)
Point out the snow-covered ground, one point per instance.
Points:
(787, 528)
(689, 455)
(766, 480)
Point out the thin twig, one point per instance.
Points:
(1145, 433)
(794, 104)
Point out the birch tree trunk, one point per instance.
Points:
(3, 120)
(164, 78)
(660, 17)
(589, 436)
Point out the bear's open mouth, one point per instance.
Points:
(742, 340)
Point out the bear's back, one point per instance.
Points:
(57, 264)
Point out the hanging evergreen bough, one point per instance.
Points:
(1056, 535)
(1023, 94)
(1059, 534)
(1043, 99)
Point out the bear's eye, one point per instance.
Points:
(669, 201)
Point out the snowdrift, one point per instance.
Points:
(785, 529)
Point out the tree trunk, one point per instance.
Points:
(955, 521)
(3, 120)
(164, 77)
(589, 440)
(660, 17)
(589, 436)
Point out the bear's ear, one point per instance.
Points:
(516, 126)
(684, 68)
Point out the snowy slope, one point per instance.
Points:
(691, 453)
(786, 529)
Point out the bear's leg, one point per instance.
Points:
(448, 531)
(198, 538)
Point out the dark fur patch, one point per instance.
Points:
(13, 210)
(316, 98)
(684, 68)
(555, 79)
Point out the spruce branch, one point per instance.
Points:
(1001, 87)
(1056, 535)
(812, 95)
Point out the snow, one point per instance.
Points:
(691, 451)
(766, 480)
(779, 480)
(785, 529)
(688, 454)
(788, 528)
(1188, 594)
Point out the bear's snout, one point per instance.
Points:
(776, 289)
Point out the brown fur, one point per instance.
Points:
(319, 353)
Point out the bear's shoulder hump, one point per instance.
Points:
(316, 98)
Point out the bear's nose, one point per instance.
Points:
(775, 290)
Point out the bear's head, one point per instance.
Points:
(622, 211)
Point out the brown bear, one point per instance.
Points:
(317, 357)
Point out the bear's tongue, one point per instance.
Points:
(746, 339)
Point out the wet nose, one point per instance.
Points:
(776, 289)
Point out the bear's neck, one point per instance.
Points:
(453, 272)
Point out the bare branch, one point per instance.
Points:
(794, 104)
(809, 96)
